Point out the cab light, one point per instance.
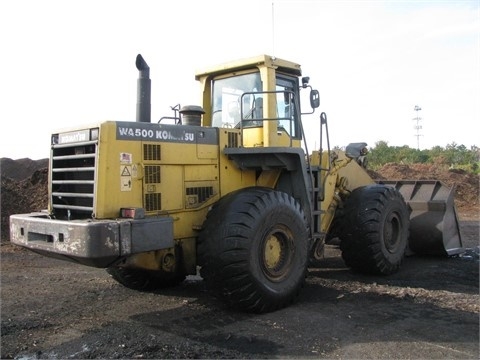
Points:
(94, 134)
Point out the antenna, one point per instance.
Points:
(273, 29)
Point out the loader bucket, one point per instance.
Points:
(434, 228)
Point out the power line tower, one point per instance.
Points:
(417, 125)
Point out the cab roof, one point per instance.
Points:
(248, 63)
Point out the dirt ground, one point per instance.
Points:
(51, 309)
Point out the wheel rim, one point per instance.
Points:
(277, 253)
(392, 232)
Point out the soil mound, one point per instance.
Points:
(22, 196)
(22, 168)
(466, 184)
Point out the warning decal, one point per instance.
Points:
(125, 178)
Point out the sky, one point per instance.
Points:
(65, 64)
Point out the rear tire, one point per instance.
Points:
(375, 230)
(253, 250)
(140, 279)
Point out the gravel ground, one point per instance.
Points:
(57, 310)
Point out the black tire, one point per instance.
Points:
(145, 280)
(375, 230)
(253, 250)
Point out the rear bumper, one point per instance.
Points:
(97, 243)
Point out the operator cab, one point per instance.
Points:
(260, 96)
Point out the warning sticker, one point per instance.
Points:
(125, 178)
(126, 170)
(125, 184)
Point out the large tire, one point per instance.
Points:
(375, 230)
(253, 250)
(145, 280)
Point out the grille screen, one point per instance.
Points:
(152, 174)
(203, 193)
(232, 140)
(152, 152)
(153, 202)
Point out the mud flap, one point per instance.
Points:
(434, 227)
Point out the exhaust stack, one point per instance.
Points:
(143, 90)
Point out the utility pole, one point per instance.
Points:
(417, 125)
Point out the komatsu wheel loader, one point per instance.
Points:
(229, 189)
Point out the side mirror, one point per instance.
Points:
(314, 99)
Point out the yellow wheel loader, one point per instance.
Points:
(229, 188)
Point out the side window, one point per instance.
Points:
(287, 113)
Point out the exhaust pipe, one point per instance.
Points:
(143, 90)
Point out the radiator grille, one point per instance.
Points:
(72, 172)
(153, 202)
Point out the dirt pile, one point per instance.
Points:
(24, 186)
(22, 168)
(23, 196)
(466, 185)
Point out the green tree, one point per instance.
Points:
(452, 155)
(381, 154)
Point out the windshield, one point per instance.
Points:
(241, 96)
(227, 97)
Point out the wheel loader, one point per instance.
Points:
(228, 189)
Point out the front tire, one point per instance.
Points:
(375, 230)
(253, 250)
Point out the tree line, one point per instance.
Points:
(452, 156)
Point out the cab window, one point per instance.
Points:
(287, 114)
(227, 100)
